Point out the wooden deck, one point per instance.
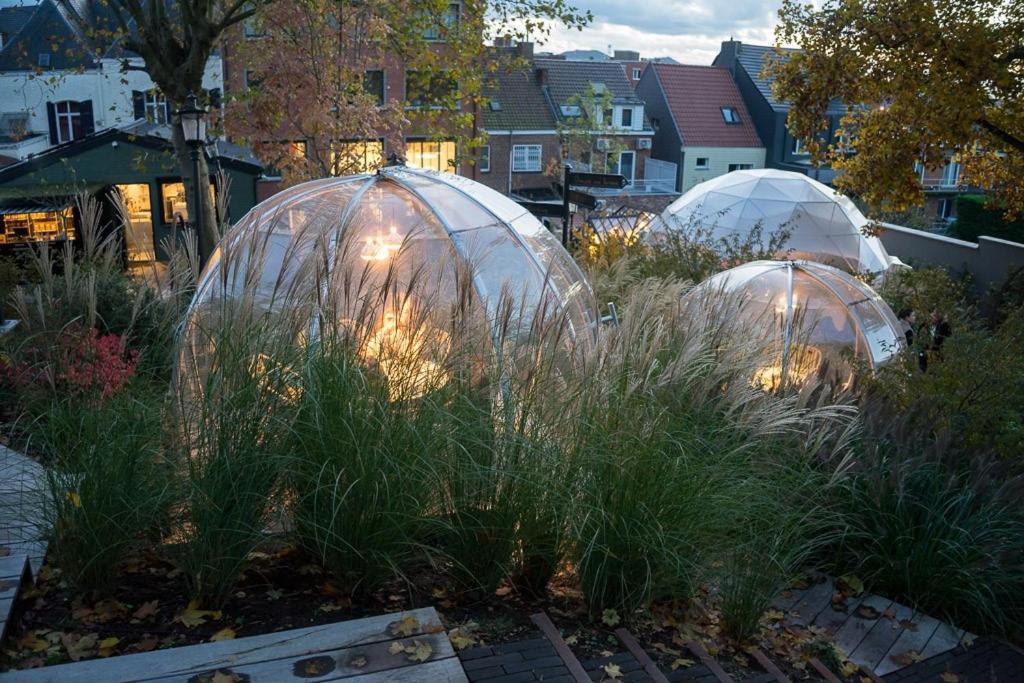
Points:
(876, 633)
(22, 500)
(401, 647)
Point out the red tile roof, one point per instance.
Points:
(695, 96)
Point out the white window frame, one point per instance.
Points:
(66, 117)
(485, 159)
(618, 165)
(636, 73)
(951, 174)
(742, 166)
(702, 167)
(526, 164)
(622, 114)
(154, 106)
(798, 148)
(733, 117)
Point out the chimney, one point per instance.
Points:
(526, 50)
(729, 55)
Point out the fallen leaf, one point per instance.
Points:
(78, 646)
(225, 676)
(4, 551)
(30, 642)
(460, 639)
(330, 607)
(681, 663)
(274, 594)
(773, 615)
(396, 647)
(502, 591)
(223, 634)
(848, 668)
(107, 645)
(571, 640)
(359, 661)
(613, 671)
(192, 616)
(867, 612)
(948, 677)
(74, 499)
(853, 583)
(607, 653)
(439, 593)
(907, 658)
(889, 613)
(146, 609)
(908, 624)
(145, 645)
(406, 626)
(610, 617)
(420, 651)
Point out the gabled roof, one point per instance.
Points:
(13, 18)
(567, 79)
(49, 33)
(695, 96)
(752, 59)
(516, 102)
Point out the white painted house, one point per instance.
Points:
(57, 86)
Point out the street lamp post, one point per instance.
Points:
(192, 119)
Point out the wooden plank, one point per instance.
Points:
(442, 671)
(709, 661)
(871, 650)
(911, 639)
(576, 669)
(814, 600)
(848, 637)
(823, 671)
(768, 665)
(234, 653)
(641, 655)
(12, 565)
(831, 619)
(945, 638)
(335, 664)
(787, 598)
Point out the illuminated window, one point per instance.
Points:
(348, 158)
(173, 199)
(36, 226)
(431, 154)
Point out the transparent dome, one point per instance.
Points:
(819, 319)
(397, 254)
(822, 225)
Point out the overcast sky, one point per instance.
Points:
(691, 31)
(688, 30)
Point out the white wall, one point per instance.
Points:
(719, 159)
(108, 87)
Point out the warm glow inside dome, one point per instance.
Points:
(816, 317)
(822, 225)
(397, 255)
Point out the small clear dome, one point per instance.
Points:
(397, 253)
(822, 225)
(818, 318)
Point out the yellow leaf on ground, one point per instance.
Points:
(681, 663)
(74, 499)
(853, 582)
(146, 609)
(406, 626)
(571, 640)
(907, 658)
(223, 634)
(193, 616)
(30, 642)
(610, 617)
(460, 639)
(108, 643)
(848, 668)
(948, 677)
(420, 651)
(359, 661)
(396, 647)
(773, 615)
(78, 646)
(613, 671)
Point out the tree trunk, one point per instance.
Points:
(209, 236)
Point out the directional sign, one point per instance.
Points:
(587, 201)
(542, 209)
(612, 180)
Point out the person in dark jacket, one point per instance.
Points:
(938, 332)
(907, 319)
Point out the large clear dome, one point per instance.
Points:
(823, 225)
(395, 253)
(819, 320)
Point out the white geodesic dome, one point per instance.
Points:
(816, 317)
(823, 225)
(381, 250)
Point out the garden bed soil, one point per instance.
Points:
(283, 588)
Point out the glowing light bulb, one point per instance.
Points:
(382, 248)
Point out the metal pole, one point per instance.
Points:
(566, 170)
(197, 220)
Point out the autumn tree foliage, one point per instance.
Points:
(926, 81)
(315, 106)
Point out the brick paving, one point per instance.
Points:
(986, 661)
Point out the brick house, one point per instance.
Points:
(701, 123)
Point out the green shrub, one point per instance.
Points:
(976, 217)
(108, 482)
(949, 539)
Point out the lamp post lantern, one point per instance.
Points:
(192, 119)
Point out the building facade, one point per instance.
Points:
(700, 121)
(56, 87)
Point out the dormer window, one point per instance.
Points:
(598, 87)
(627, 117)
(570, 110)
(730, 115)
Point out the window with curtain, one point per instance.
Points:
(435, 155)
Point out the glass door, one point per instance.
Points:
(627, 164)
(138, 234)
